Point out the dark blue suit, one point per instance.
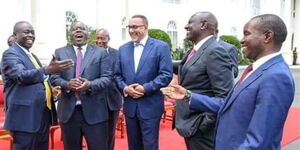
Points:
(154, 71)
(253, 114)
(114, 101)
(93, 111)
(233, 53)
(26, 111)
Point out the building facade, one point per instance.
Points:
(51, 18)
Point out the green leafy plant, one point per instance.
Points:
(161, 35)
(234, 41)
(179, 53)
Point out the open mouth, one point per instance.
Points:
(79, 36)
(29, 41)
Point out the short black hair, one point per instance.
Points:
(273, 23)
(145, 20)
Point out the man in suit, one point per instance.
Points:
(144, 67)
(28, 102)
(252, 116)
(113, 97)
(233, 53)
(205, 70)
(11, 40)
(82, 108)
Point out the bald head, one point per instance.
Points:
(200, 26)
(212, 22)
(24, 34)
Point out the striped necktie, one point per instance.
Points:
(46, 84)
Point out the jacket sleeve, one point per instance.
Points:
(14, 68)
(165, 72)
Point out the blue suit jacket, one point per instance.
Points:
(253, 115)
(97, 69)
(24, 92)
(154, 71)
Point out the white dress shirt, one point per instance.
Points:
(138, 50)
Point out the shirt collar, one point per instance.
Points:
(200, 43)
(24, 49)
(143, 41)
(83, 47)
(264, 59)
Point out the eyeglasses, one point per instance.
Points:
(134, 27)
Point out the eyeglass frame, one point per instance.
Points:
(134, 27)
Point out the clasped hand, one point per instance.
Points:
(135, 90)
(79, 84)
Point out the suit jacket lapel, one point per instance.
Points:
(70, 52)
(249, 80)
(146, 52)
(237, 90)
(25, 56)
(87, 57)
(131, 58)
(194, 59)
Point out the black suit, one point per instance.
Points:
(114, 101)
(207, 72)
(233, 53)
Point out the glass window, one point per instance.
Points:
(124, 28)
(172, 32)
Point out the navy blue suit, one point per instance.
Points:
(252, 116)
(114, 101)
(25, 98)
(154, 71)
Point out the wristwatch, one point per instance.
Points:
(187, 96)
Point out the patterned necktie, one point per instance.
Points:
(78, 61)
(192, 53)
(245, 73)
(46, 84)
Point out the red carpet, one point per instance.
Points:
(291, 130)
(169, 139)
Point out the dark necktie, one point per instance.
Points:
(245, 73)
(191, 54)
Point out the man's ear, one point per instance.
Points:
(204, 25)
(269, 35)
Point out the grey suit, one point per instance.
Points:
(208, 72)
(233, 53)
(93, 111)
(114, 101)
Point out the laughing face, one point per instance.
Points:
(102, 39)
(193, 29)
(252, 42)
(137, 29)
(79, 34)
(25, 35)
